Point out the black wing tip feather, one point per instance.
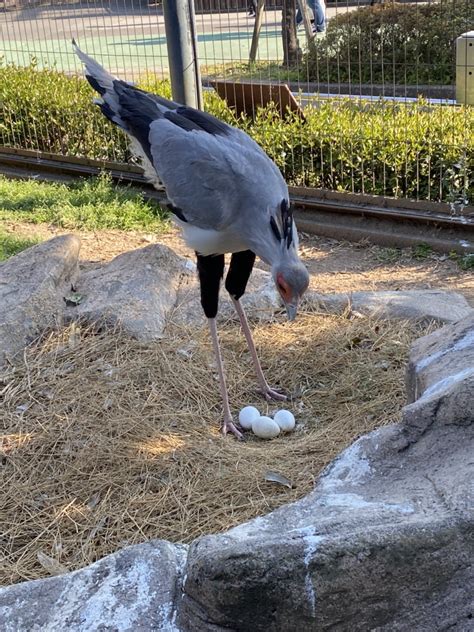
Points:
(96, 85)
(181, 121)
(204, 121)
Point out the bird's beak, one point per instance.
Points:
(291, 310)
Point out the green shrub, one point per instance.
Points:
(382, 148)
(412, 150)
(396, 43)
(48, 111)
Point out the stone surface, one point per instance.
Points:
(383, 543)
(440, 378)
(135, 590)
(423, 305)
(136, 290)
(33, 284)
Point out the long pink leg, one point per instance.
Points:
(228, 423)
(267, 392)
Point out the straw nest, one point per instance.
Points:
(108, 442)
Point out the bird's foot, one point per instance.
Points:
(229, 426)
(271, 394)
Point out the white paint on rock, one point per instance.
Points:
(355, 501)
(443, 385)
(248, 529)
(103, 606)
(463, 343)
(312, 542)
(350, 467)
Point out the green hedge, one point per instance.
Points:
(396, 43)
(381, 148)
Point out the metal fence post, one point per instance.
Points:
(181, 41)
(465, 68)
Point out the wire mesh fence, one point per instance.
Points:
(359, 97)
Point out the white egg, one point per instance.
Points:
(285, 420)
(265, 428)
(247, 415)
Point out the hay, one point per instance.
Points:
(109, 442)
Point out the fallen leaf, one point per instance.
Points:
(51, 565)
(274, 477)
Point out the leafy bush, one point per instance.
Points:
(396, 43)
(409, 150)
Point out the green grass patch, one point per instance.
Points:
(11, 244)
(422, 251)
(91, 204)
(465, 262)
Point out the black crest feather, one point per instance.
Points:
(275, 229)
(287, 222)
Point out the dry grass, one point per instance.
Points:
(108, 442)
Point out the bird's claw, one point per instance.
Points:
(229, 426)
(271, 395)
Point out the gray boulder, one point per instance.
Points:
(136, 290)
(421, 305)
(135, 590)
(440, 378)
(383, 543)
(33, 284)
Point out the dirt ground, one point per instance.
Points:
(334, 266)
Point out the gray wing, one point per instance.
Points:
(214, 179)
(214, 174)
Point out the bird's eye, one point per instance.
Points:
(281, 288)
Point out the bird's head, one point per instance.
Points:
(289, 273)
(292, 280)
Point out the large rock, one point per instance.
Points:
(136, 290)
(135, 590)
(440, 378)
(32, 289)
(420, 305)
(383, 543)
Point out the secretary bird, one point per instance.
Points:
(225, 193)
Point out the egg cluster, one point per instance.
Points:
(265, 427)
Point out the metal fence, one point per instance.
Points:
(370, 105)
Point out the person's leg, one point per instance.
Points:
(299, 16)
(319, 10)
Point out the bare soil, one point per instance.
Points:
(334, 266)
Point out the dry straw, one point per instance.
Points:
(107, 441)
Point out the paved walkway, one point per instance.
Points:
(130, 42)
